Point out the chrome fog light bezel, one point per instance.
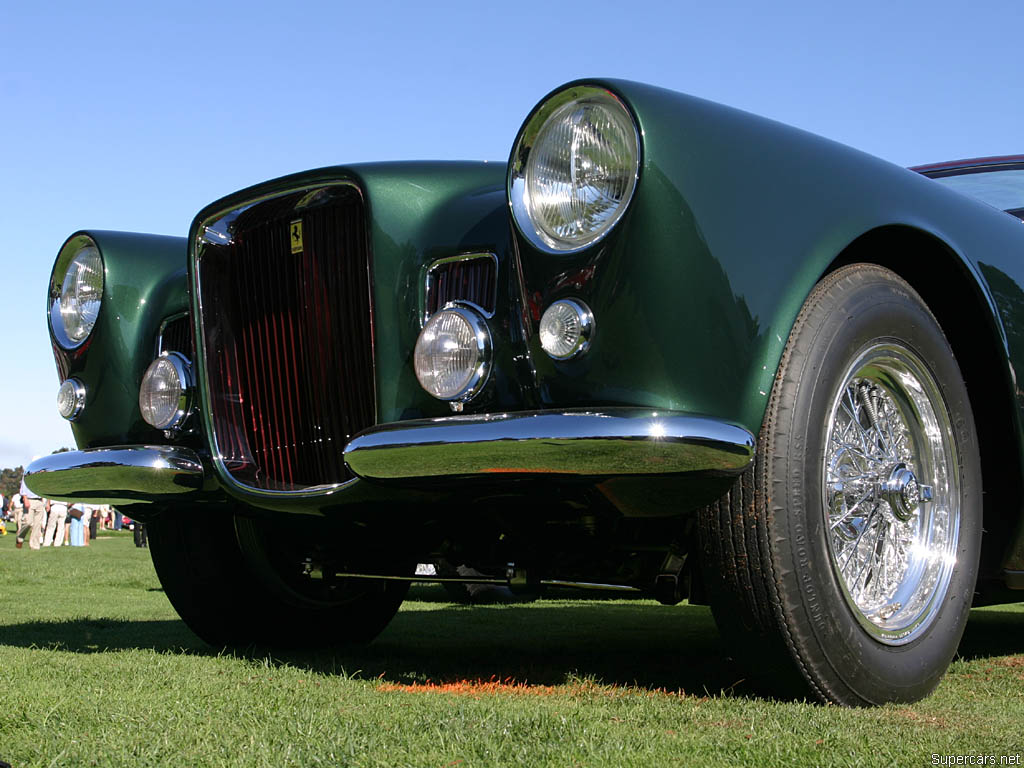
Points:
(518, 183)
(586, 323)
(182, 370)
(480, 370)
(76, 249)
(76, 391)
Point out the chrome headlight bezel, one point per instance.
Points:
(72, 394)
(519, 168)
(182, 370)
(583, 319)
(480, 370)
(78, 250)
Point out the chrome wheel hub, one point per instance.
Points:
(904, 494)
(891, 493)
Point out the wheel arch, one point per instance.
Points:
(978, 346)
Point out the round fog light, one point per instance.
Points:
(164, 393)
(71, 399)
(566, 328)
(453, 354)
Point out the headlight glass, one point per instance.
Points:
(163, 394)
(574, 169)
(451, 356)
(70, 399)
(81, 293)
(566, 328)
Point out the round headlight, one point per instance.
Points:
(165, 390)
(81, 293)
(453, 354)
(574, 169)
(71, 399)
(565, 329)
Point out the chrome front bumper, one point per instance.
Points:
(122, 475)
(611, 442)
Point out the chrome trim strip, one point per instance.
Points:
(129, 474)
(578, 441)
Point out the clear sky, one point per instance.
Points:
(133, 115)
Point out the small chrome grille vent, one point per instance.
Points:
(176, 336)
(471, 278)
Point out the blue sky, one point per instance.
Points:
(132, 116)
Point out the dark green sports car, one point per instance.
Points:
(670, 348)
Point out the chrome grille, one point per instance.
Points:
(287, 336)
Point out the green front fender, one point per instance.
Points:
(734, 219)
(144, 283)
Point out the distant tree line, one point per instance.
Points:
(10, 479)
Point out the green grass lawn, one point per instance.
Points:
(96, 669)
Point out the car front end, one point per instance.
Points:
(401, 346)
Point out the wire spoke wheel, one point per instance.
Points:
(891, 493)
(842, 565)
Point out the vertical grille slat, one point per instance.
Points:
(288, 337)
(470, 278)
(176, 336)
(282, 458)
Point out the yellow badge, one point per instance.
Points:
(296, 236)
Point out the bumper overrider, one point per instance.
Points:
(599, 443)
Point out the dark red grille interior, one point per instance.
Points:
(288, 337)
(177, 336)
(471, 279)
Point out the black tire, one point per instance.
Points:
(236, 581)
(798, 574)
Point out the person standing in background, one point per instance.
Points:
(16, 510)
(139, 532)
(78, 525)
(33, 513)
(86, 520)
(55, 524)
(94, 519)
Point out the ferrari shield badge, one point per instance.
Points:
(296, 236)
